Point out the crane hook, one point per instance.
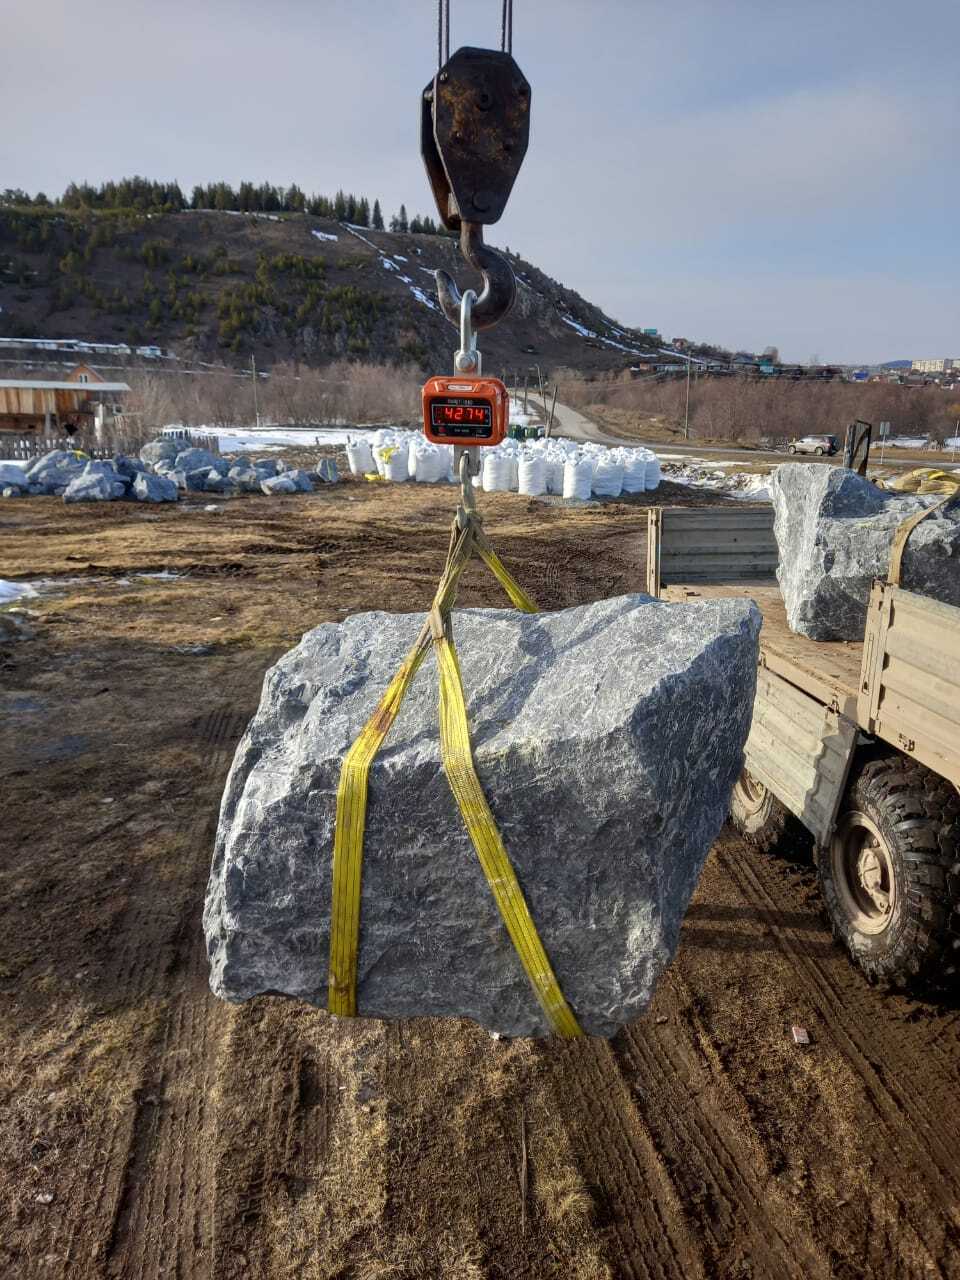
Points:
(499, 284)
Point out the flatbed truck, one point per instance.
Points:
(858, 743)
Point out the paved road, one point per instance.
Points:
(569, 422)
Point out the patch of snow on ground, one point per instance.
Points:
(354, 232)
(243, 439)
(699, 474)
(425, 298)
(324, 235)
(14, 590)
(584, 332)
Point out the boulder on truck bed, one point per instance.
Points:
(835, 531)
(607, 737)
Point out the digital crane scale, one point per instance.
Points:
(465, 411)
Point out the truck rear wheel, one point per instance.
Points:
(762, 820)
(890, 876)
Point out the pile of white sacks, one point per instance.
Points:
(563, 467)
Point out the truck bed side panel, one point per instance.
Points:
(800, 750)
(910, 687)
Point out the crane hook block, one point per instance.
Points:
(474, 129)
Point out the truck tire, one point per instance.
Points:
(764, 822)
(890, 876)
(792, 449)
(818, 451)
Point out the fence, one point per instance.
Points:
(25, 448)
(190, 439)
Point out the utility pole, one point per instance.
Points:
(686, 409)
(256, 408)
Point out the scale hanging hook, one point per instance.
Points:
(499, 283)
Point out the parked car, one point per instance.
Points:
(819, 445)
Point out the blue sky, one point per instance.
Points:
(746, 173)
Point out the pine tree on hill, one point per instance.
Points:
(377, 216)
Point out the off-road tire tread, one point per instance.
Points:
(923, 812)
(782, 835)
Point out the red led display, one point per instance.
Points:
(473, 414)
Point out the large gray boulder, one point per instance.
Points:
(101, 467)
(129, 468)
(215, 482)
(161, 450)
(607, 737)
(278, 484)
(12, 474)
(244, 478)
(148, 488)
(834, 532)
(300, 478)
(55, 470)
(201, 459)
(189, 481)
(55, 460)
(94, 487)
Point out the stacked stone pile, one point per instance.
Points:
(163, 471)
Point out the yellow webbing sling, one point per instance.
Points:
(457, 757)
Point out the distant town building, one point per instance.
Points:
(935, 366)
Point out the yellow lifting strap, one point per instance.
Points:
(457, 757)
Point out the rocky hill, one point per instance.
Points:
(221, 287)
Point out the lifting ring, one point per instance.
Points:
(499, 284)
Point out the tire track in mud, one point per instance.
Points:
(274, 1138)
(163, 1222)
(636, 1205)
(911, 1121)
(681, 1103)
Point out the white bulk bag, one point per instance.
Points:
(554, 469)
(652, 478)
(359, 457)
(497, 472)
(608, 479)
(634, 471)
(532, 476)
(429, 465)
(392, 462)
(577, 478)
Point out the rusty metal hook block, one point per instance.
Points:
(474, 130)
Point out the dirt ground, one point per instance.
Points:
(148, 1131)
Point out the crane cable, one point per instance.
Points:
(443, 30)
